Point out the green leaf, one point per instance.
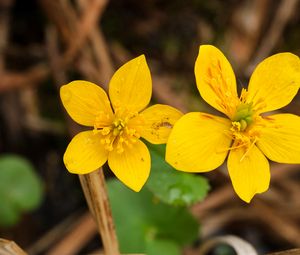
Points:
(8, 214)
(20, 188)
(141, 219)
(165, 247)
(172, 186)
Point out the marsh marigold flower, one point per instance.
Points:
(117, 124)
(200, 142)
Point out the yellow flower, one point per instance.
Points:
(200, 142)
(117, 129)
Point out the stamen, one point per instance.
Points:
(219, 84)
(236, 126)
(231, 148)
(247, 152)
(120, 133)
(105, 131)
(101, 119)
(243, 95)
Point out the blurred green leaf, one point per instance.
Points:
(8, 214)
(172, 186)
(142, 221)
(165, 247)
(20, 188)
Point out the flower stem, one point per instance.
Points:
(94, 188)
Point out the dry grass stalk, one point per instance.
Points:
(80, 234)
(288, 252)
(94, 188)
(10, 248)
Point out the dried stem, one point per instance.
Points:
(288, 252)
(94, 188)
(284, 13)
(10, 248)
(79, 235)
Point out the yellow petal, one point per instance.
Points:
(158, 122)
(249, 172)
(216, 80)
(85, 153)
(131, 85)
(132, 166)
(85, 101)
(280, 139)
(274, 82)
(198, 142)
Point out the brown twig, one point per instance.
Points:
(285, 227)
(64, 23)
(71, 244)
(288, 252)
(94, 188)
(54, 235)
(225, 193)
(84, 28)
(284, 12)
(215, 199)
(100, 49)
(94, 61)
(214, 221)
(247, 25)
(15, 80)
(10, 248)
(103, 59)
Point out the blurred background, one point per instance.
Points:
(45, 44)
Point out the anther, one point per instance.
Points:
(105, 131)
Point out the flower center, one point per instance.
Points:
(243, 139)
(243, 117)
(245, 127)
(118, 126)
(123, 131)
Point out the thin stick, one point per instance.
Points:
(288, 252)
(10, 248)
(94, 188)
(80, 234)
(55, 234)
(283, 14)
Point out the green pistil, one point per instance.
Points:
(244, 115)
(118, 127)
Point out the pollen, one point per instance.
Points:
(119, 133)
(236, 126)
(246, 138)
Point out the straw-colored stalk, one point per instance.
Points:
(94, 189)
